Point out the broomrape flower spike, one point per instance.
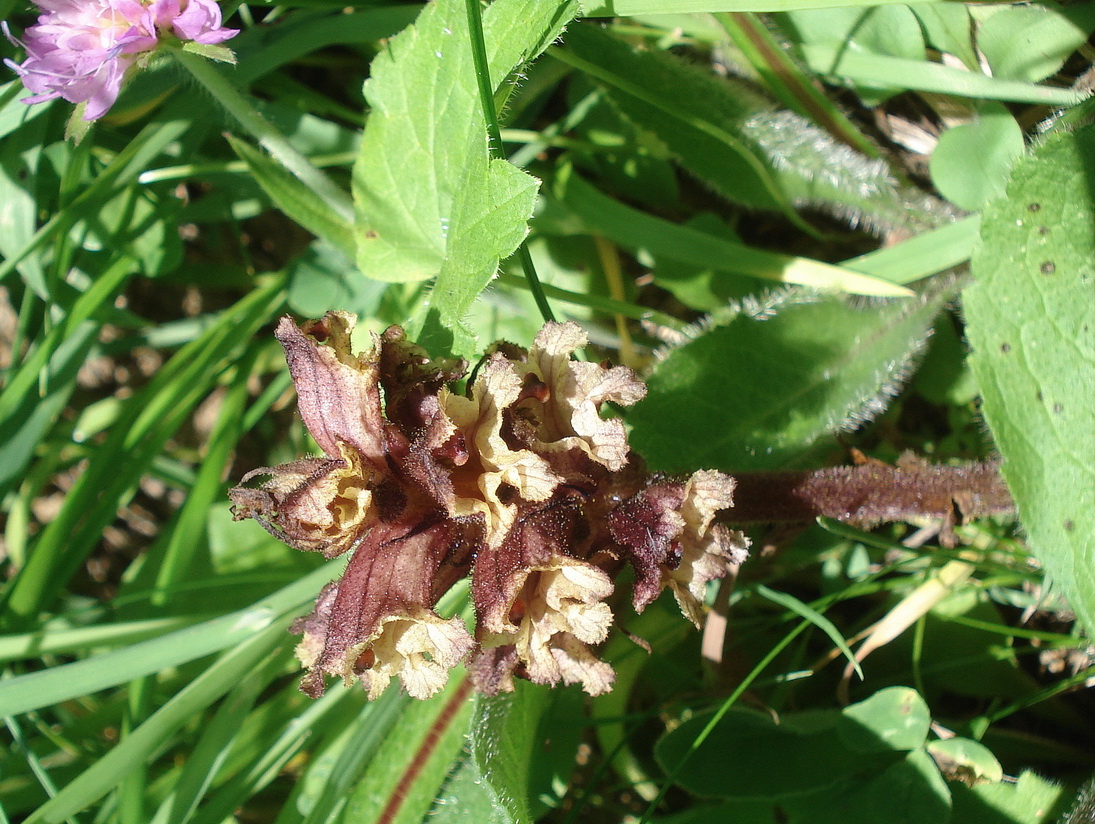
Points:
(518, 482)
(82, 50)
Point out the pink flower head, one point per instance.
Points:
(80, 50)
(197, 20)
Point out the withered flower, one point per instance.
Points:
(519, 481)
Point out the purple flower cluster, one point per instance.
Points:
(80, 50)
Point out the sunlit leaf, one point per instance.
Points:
(1030, 322)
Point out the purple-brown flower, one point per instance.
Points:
(81, 50)
(518, 481)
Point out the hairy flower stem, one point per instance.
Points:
(240, 108)
(494, 133)
(871, 494)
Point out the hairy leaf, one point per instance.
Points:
(491, 786)
(1032, 327)
(757, 388)
(737, 142)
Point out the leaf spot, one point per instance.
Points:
(1048, 267)
(1058, 408)
(1069, 525)
(1005, 347)
(1034, 207)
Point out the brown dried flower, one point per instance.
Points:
(519, 482)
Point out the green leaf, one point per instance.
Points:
(490, 215)
(967, 760)
(924, 76)
(895, 718)
(1032, 42)
(697, 116)
(892, 31)
(221, 54)
(425, 139)
(1030, 323)
(948, 28)
(492, 785)
(1030, 800)
(749, 755)
(324, 278)
(909, 792)
(757, 388)
(970, 164)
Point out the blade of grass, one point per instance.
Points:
(602, 304)
(923, 76)
(814, 617)
(101, 292)
(626, 8)
(188, 530)
(149, 419)
(120, 172)
(60, 638)
(730, 701)
(337, 767)
(637, 230)
(109, 770)
(923, 255)
(240, 109)
(336, 705)
(52, 686)
(212, 749)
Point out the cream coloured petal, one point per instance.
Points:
(480, 419)
(571, 413)
(314, 504)
(577, 665)
(419, 650)
(574, 594)
(706, 493)
(563, 611)
(708, 552)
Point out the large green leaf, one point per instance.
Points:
(757, 388)
(1031, 323)
(425, 143)
(748, 755)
